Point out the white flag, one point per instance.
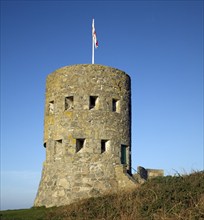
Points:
(94, 35)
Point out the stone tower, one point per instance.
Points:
(87, 134)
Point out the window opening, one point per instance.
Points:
(69, 103)
(51, 107)
(59, 141)
(79, 144)
(103, 146)
(115, 105)
(123, 154)
(58, 149)
(92, 101)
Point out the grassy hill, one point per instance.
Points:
(163, 198)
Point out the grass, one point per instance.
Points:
(164, 198)
(24, 214)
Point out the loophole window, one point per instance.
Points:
(51, 107)
(115, 105)
(79, 144)
(69, 103)
(93, 100)
(104, 146)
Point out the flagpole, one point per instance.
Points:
(92, 42)
(92, 51)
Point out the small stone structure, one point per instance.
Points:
(87, 134)
(144, 174)
(152, 173)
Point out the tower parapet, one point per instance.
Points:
(87, 134)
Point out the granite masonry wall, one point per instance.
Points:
(87, 134)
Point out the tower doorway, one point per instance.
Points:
(123, 154)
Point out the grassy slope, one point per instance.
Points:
(170, 198)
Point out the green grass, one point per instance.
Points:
(25, 214)
(164, 198)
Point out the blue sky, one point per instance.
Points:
(158, 43)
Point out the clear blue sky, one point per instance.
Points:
(158, 43)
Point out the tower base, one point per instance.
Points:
(65, 184)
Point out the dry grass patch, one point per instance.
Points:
(178, 197)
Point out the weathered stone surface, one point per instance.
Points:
(144, 174)
(87, 120)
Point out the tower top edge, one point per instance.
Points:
(88, 67)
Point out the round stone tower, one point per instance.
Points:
(87, 134)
